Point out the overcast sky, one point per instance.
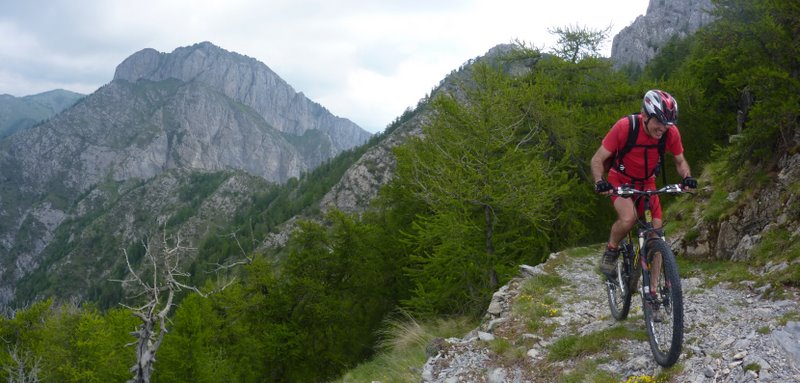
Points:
(364, 60)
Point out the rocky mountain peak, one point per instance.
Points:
(639, 42)
(204, 61)
(248, 81)
(197, 109)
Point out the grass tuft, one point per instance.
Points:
(402, 352)
(572, 346)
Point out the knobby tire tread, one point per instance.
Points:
(670, 272)
(620, 310)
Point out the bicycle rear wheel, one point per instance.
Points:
(666, 335)
(618, 289)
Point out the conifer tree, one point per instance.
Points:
(482, 171)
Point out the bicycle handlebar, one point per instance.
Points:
(629, 190)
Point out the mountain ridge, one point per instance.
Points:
(639, 42)
(245, 80)
(19, 113)
(196, 117)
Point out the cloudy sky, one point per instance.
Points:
(366, 60)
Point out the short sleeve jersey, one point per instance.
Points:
(634, 160)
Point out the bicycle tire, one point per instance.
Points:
(619, 291)
(665, 337)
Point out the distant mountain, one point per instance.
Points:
(17, 113)
(639, 42)
(362, 181)
(247, 81)
(199, 110)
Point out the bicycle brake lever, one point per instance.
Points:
(674, 188)
(623, 191)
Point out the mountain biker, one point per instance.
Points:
(638, 167)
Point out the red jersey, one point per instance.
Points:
(634, 161)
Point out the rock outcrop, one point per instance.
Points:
(733, 333)
(362, 181)
(748, 215)
(639, 42)
(199, 108)
(247, 81)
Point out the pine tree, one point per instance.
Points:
(481, 167)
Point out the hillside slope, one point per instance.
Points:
(19, 113)
(738, 254)
(200, 108)
(733, 333)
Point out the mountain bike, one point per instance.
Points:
(665, 332)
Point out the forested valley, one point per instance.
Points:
(499, 179)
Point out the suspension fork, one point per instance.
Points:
(644, 233)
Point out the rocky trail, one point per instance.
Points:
(733, 333)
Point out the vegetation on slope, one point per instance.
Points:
(447, 230)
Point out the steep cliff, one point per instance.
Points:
(375, 168)
(734, 213)
(199, 109)
(247, 81)
(639, 42)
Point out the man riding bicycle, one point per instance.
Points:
(635, 162)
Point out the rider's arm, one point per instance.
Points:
(598, 159)
(680, 164)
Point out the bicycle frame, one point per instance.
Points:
(645, 229)
(665, 339)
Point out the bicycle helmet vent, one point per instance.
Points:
(661, 105)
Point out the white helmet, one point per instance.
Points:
(661, 105)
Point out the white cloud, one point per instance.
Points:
(364, 60)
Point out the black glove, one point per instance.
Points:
(602, 186)
(689, 183)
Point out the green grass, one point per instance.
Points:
(582, 252)
(573, 346)
(567, 256)
(509, 353)
(714, 272)
(535, 304)
(724, 180)
(678, 216)
(586, 371)
(718, 206)
(775, 247)
(752, 367)
(402, 353)
(793, 316)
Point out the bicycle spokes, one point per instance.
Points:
(619, 293)
(664, 314)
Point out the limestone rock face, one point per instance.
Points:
(247, 81)
(362, 181)
(639, 42)
(198, 109)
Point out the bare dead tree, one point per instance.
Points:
(156, 284)
(245, 260)
(24, 368)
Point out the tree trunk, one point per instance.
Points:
(488, 217)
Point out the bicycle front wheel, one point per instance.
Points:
(618, 289)
(665, 329)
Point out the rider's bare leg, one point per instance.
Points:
(626, 218)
